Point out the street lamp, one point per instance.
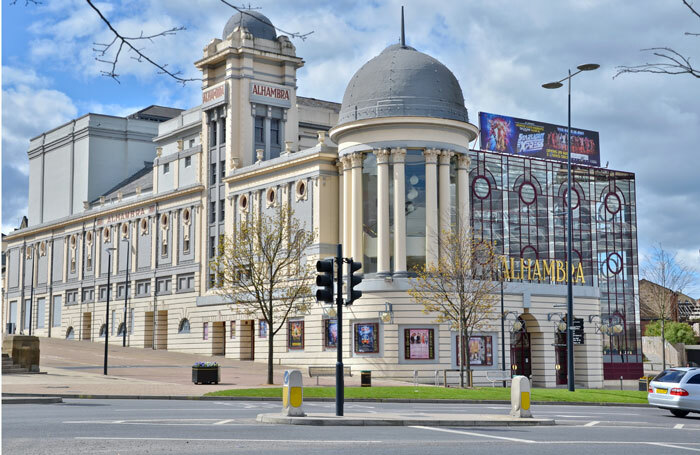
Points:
(569, 228)
(109, 274)
(126, 287)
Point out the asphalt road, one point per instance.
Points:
(224, 427)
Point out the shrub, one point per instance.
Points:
(675, 332)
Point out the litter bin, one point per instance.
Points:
(644, 383)
(366, 378)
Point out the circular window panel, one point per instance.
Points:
(574, 199)
(528, 193)
(612, 203)
(481, 187)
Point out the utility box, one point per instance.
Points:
(293, 394)
(520, 397)
(366, 378)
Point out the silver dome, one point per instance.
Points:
(403, 82)
(257, 24)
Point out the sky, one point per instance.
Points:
(500, 51)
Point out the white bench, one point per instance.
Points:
(495, 376)
(326, 371)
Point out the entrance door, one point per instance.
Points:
(520, 360)
(161, 335)
(218, 338)
(87, 326)
(560, 357)
(148, 330)
(247, 340)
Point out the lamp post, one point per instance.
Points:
(569, 228)
(31, 292)
(126, 287)
(503, 332)
(109, 274)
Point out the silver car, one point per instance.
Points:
(676, 389)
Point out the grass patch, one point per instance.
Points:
(441, 393)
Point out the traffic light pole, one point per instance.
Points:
(339, 378)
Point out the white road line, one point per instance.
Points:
(678, 426)
(673, 446)
(470, 433)
(292, 441)
(592, 424)
(222, 422)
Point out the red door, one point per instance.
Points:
(560, 357)
(520, 354)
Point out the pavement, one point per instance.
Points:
(405, 419)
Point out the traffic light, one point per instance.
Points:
(353, 280)
(324, 280)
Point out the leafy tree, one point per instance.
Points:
(460, 288)
(263, 270)
(674, 332)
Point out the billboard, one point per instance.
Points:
(516, 136)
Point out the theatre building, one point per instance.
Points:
(136, 207)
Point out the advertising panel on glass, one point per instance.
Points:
(296, 335)
(480, 351)
(262, 328)
(331, 333)
(419, 344)
(516, 136)
(367, 338)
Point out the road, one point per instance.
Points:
(224, 427)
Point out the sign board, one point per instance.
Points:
(516, 136)
(577, 328)
(215, 95)
(126, 215)
(270, 94)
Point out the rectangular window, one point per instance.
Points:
(262, 328)
(120, 290)
(419, 344)
(480, 350)
(366, 338)
(259, 130)
(40, 313)
(223, 130)
(188, 161)
(295, 335)
(185, 282)
(212, 280)
(212, 174)
(233, 330)
(72, 297)
(88, 295)
(143, 288)
(88, 262)
(186, 246)
(212, 212)
(205, 335)
(103, 292)
(163, 285)
(166, 168)
(330, 333)
(222, 211)
(222, 169)
(212, 134)
(191, 143)
(275, 131)
(56, 322)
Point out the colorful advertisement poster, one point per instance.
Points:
(262, 328)
(419, 344)
(296, 334)
(516, 136)
(480, 349)
(366, 338)
(331, 333)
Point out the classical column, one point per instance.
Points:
(444, 193)
(341, 198)
(463, 191)
(347, 205)
(383, 250)
(356, 248)
(431, 206)
(399, 158)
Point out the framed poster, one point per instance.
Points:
(330, 333)
(262, 328)
(367, 338)
(295, 335)
(480, 351)
(419, 344)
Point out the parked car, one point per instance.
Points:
(676, 389)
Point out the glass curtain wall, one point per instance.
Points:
(415, 209)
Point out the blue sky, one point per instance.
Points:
(501, 52)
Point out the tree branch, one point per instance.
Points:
(301, 36)
(101, 50)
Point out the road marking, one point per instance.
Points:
(222, 422)
(573, 417)
(470, 433)
(678, 426)
(591, 424)
(673, 446)
(293, 441)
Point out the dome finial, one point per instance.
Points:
(403, 33)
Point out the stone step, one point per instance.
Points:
(14, 370)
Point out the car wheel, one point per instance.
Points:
(679, 413)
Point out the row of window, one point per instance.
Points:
(184, 282)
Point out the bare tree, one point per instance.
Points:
(671, 61)
(263, 270)
(460, 288)
(669, 276)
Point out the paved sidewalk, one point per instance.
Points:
(397, 419)
(76, 367)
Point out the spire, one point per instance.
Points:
(403, 33)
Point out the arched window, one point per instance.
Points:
(184, 326)
(103, 330)
(69, 333)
